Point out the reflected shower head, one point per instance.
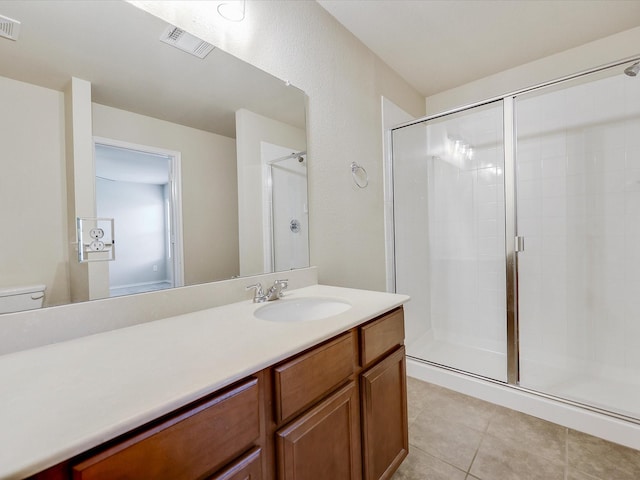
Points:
(632, 70)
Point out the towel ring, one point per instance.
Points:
(360, 175)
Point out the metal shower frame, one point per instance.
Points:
(512, 242)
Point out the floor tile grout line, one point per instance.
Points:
(484, 434)
(491, 419)
(437, 458)
(475, 454)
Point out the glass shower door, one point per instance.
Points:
(578, 209)
(448, 176)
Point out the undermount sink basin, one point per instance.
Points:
(301, 309)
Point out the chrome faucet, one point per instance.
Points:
(274, 292)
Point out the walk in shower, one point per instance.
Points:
(517, 235)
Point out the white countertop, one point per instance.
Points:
(59, 400)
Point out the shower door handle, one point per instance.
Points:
(519, 244)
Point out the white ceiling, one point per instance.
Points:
(116, 47)
(439, 44)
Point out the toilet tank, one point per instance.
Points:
(16, 299)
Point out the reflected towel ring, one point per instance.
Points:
(360, 175)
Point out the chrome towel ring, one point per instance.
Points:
(360, 175)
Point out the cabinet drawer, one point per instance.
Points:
(381, 336)
(305, 379)
(190, 445)
(249, 467)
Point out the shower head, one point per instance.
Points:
(632, 70)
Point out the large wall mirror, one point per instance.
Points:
(200, 162)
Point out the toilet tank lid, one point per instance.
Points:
(7, 291)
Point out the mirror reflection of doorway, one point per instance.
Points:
(138, 187)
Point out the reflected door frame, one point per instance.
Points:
(175, 198)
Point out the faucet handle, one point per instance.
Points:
(281, 285)
(258, 293)
(257, 286)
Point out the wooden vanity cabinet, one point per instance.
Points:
(188, 446)
(317, 394)
(221, 433)
(337, 411)
(383, 393)
(351, 430)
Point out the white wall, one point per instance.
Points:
(33, 249)
(302, 43)
(34, 178)
(209, 191)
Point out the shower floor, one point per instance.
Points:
(467, 358)
(586, 388)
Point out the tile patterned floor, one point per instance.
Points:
(456, 437)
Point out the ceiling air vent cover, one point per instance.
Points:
(9, 28)
(186, 42)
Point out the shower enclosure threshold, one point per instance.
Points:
(465, 358)
(601, 423)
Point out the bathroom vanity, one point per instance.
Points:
(219, 394)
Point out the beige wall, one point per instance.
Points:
(33, 198)
(33, 193)
(300, 42)
(87, 281)
(33, 249)
(600, 52)
(209, 191)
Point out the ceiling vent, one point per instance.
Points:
(9, 28)
(186, 42)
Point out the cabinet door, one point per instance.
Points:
(384, 417)
(248, 467)
(323, 443)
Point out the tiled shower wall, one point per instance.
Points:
(411, 232)
(579, 211)
(466, 221)
(449, 230)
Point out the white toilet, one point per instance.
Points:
(17, 299)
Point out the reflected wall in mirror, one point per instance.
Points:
(237, 132)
